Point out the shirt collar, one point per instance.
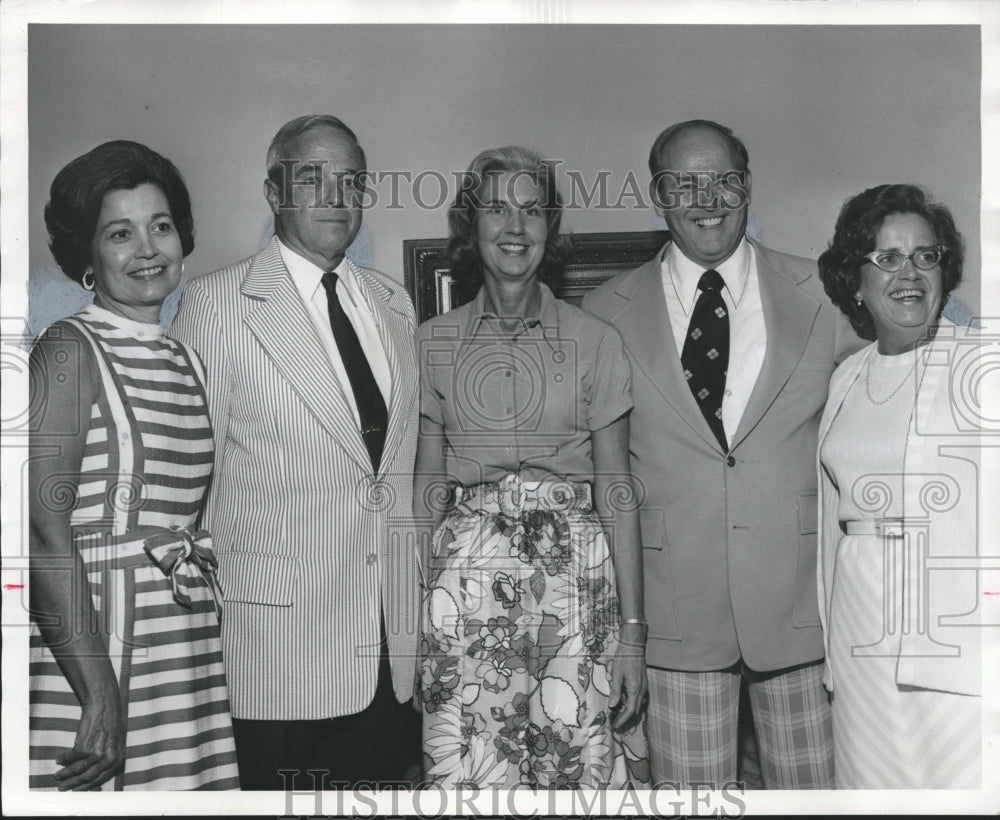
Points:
(307, 275)
(684, 274)
(547, 319)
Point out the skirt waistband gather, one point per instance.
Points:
(512, 494)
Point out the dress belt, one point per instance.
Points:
(881, 527)
(179, 554)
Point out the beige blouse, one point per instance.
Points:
(522, 401)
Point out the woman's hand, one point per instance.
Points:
(615, 499)
(99, 751)
(628, 679)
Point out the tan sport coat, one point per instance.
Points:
(729, 541)
(309, 541)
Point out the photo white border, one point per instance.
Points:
(14, 220)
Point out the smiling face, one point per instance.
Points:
(902, 304)
(704, 196)
(136, 253)
(317, 212)
(511, 227)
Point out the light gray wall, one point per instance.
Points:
(825, 111)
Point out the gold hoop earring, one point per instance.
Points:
(88, 285)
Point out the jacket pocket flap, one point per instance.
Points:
(258, 578)
(651, 527)
(808, 513)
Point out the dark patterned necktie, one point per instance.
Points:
(706, 352)
(371, 405)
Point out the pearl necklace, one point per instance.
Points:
(892, 395)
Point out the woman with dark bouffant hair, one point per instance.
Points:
(533, 641)
(127, 682)
(856, 236)
(902, 660)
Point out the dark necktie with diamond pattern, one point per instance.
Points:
(371, 405)
(705, 358)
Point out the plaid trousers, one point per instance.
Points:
(693, 717)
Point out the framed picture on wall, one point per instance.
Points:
(596, 258)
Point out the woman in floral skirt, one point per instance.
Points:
(533, 640)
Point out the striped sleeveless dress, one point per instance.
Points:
(145, 469)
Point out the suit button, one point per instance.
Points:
(731, 461)
(371, 559)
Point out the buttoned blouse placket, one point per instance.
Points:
(506, 400)
(539, 332)
(517, 382)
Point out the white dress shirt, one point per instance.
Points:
(308, 281)
(747, 332)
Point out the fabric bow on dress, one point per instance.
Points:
(182, 555)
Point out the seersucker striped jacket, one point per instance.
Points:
(309, 540)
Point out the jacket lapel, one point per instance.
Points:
(646, 328)
(789, 315)
(392, 317)
(284, 330)
(840, 386)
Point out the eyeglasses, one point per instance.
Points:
(922, 258)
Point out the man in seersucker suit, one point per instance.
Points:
(726, 464)
(312, 387)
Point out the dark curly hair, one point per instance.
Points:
(78, 192)
(463, 251)
(856, 234)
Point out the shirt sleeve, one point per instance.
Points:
(607, 385)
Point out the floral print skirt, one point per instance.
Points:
(521, 623)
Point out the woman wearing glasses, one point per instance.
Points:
(902, 661)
